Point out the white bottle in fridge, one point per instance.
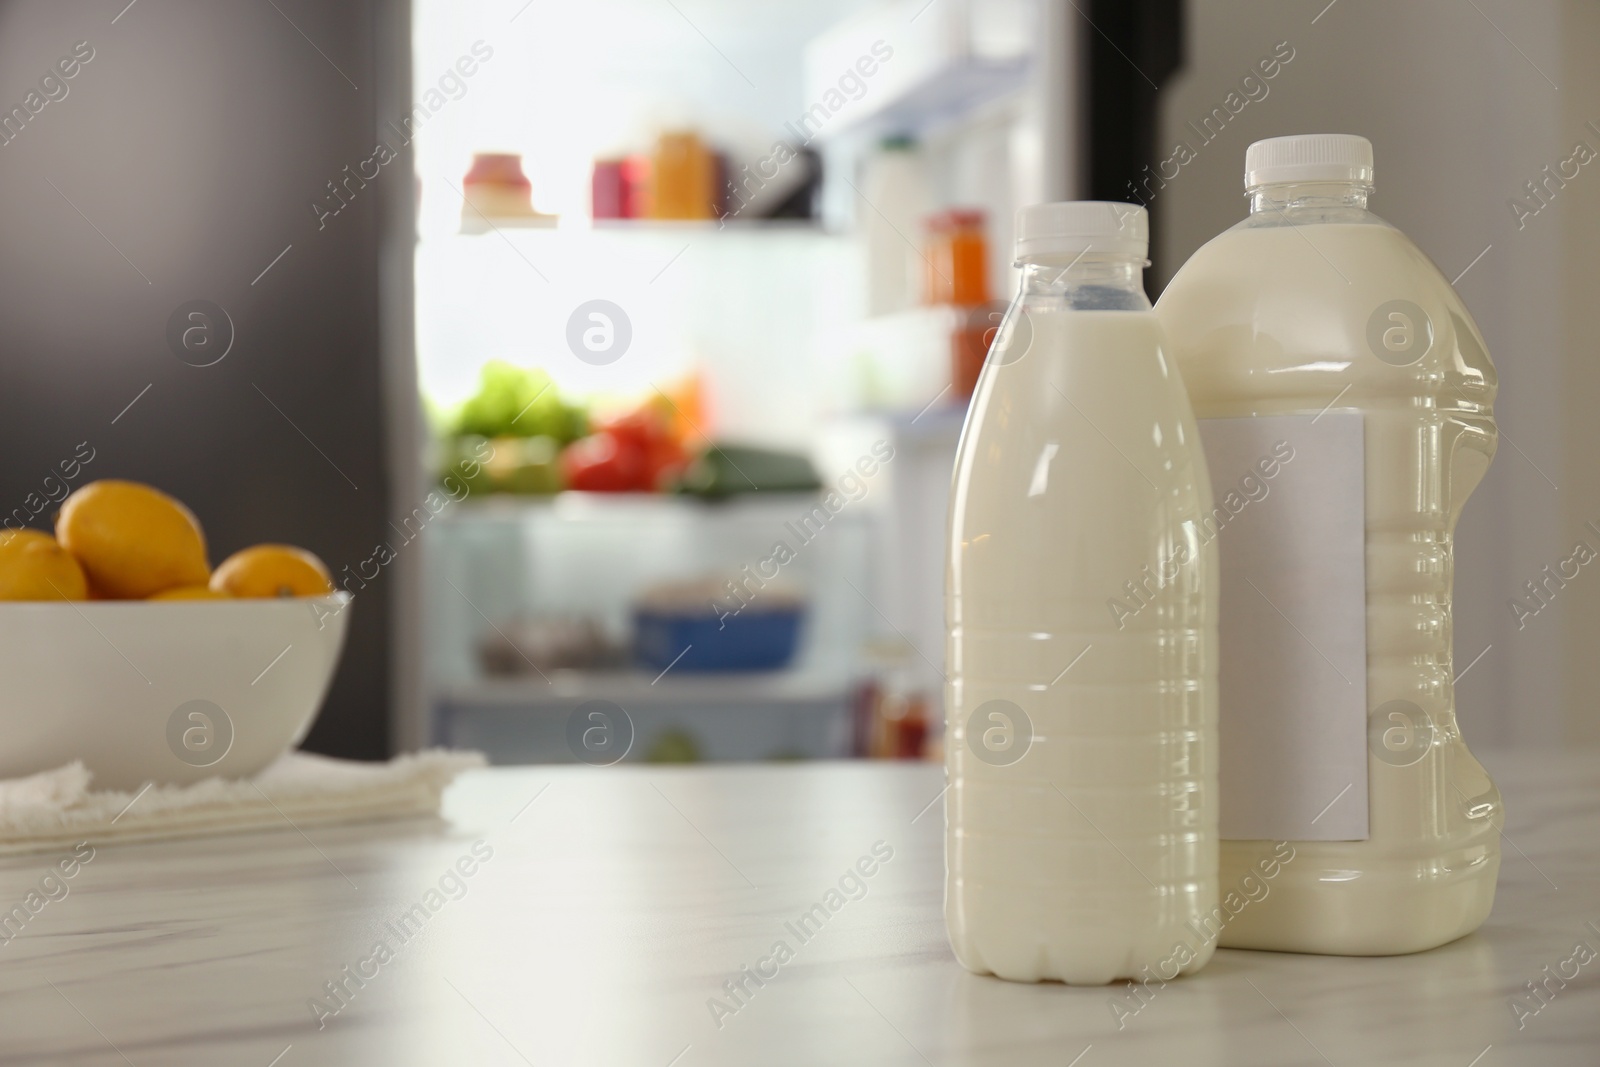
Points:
(1080, 841)
(896, 199)
(1310, 309)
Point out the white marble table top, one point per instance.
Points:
(606, 908)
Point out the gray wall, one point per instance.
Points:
(1462, 107)
(184, 156)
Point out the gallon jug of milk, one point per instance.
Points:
(1080, 815)
(1317, 334)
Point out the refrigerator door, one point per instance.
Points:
(195, 242)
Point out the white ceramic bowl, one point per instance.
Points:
(163, 691)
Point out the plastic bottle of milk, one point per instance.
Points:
(1313, 307)
(1081, 826)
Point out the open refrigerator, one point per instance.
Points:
(790, 313)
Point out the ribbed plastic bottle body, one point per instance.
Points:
(1080, 739)
(1313, 303)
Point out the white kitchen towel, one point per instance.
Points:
(58, 809)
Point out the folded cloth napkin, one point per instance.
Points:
(57, 809)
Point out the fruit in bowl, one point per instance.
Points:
(123, 649)
(133, 541)
(271, 570)
(33, 566)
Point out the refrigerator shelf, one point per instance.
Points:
(946, 61)
(782, 715)
(631, 688)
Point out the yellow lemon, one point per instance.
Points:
(34, 567)
(272, 570)
(191, 592)
(133, 541)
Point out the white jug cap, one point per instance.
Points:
(1078, 226)
(1309, 157)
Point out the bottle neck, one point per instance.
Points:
(1089, 282)
(1308, 200)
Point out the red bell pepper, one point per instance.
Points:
(635, 453)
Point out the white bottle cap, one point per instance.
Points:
(1080, 226)
(1309, 157)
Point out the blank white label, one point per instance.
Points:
(1290, 524)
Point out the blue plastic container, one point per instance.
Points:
(752, 640)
